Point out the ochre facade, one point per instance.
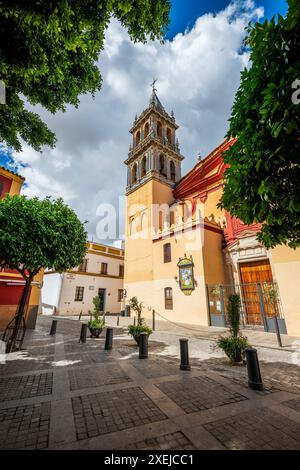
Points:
(163, 208)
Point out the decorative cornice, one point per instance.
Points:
(15, 176)
(198, 179)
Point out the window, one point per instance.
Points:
(120, 295)
(159, 129)
(121, 270)
(103, 268)
(134, 173)
(79, 294)
(169, 135)
(162, 165)
(83, 266)
(144, 168)
(172, 170)
(146, 130)
(167, 252)
(168, 298)
(137, 137)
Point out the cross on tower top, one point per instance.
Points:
(153, 84)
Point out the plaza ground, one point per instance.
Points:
(60, 394)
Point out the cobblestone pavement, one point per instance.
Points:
(60, 394)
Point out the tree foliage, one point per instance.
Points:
(36, 234)
(262, 182)
(48, 54)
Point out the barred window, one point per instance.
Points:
(79, 294)
(120, 295)
(121, 270)
(103, 268)
(83, 266)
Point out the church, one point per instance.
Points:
(183, 255)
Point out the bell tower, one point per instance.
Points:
(154, 152)
(153, 169)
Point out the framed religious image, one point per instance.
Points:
(186, 275)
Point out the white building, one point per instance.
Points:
(101, 273)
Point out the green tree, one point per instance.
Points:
(38, 234)
(48, 54)
(262, 181)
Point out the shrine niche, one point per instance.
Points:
(186, 275)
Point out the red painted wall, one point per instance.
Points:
(5, 185)
(10, 295)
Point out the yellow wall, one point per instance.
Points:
(286, 267)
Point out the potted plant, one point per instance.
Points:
(96, 324)
(140, 327)
(235, 344)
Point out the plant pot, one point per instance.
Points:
(236, 358)
(137, 339)
(95, 332)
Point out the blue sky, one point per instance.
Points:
(198, 74)
(185, 12)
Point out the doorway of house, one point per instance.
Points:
(102, 295)
(251, 274)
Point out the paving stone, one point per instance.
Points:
(25, 386)
(199, 393)
(112, 411)
(91, 357)
(153, 368)
(14, 437)
(294, 404)
(96, 376)
(256, 429)
(26, 364)
(173, 441)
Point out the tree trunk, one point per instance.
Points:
(19, 316)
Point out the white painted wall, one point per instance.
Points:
(52, 283)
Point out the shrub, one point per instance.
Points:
(233, 314)
(233, 346)
(96, 322)
(137, 307)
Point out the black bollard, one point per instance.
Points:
(184, 354)
(254, 375)
(82, 338)
(153, 320)
(109, 338)
(53, 327)
(143, 346)
(118, 319)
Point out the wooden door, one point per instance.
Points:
(252, 273)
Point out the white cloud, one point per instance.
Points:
(198, 75)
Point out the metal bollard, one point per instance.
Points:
(109, 338)
(143, 346)
(184, 354)
(277, 332)
(118, 319)
(153, 320)
(254, 375)
(53, 327)
(82, 338)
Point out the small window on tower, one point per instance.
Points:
(172, 171)
(168, 298)
(167, 253)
